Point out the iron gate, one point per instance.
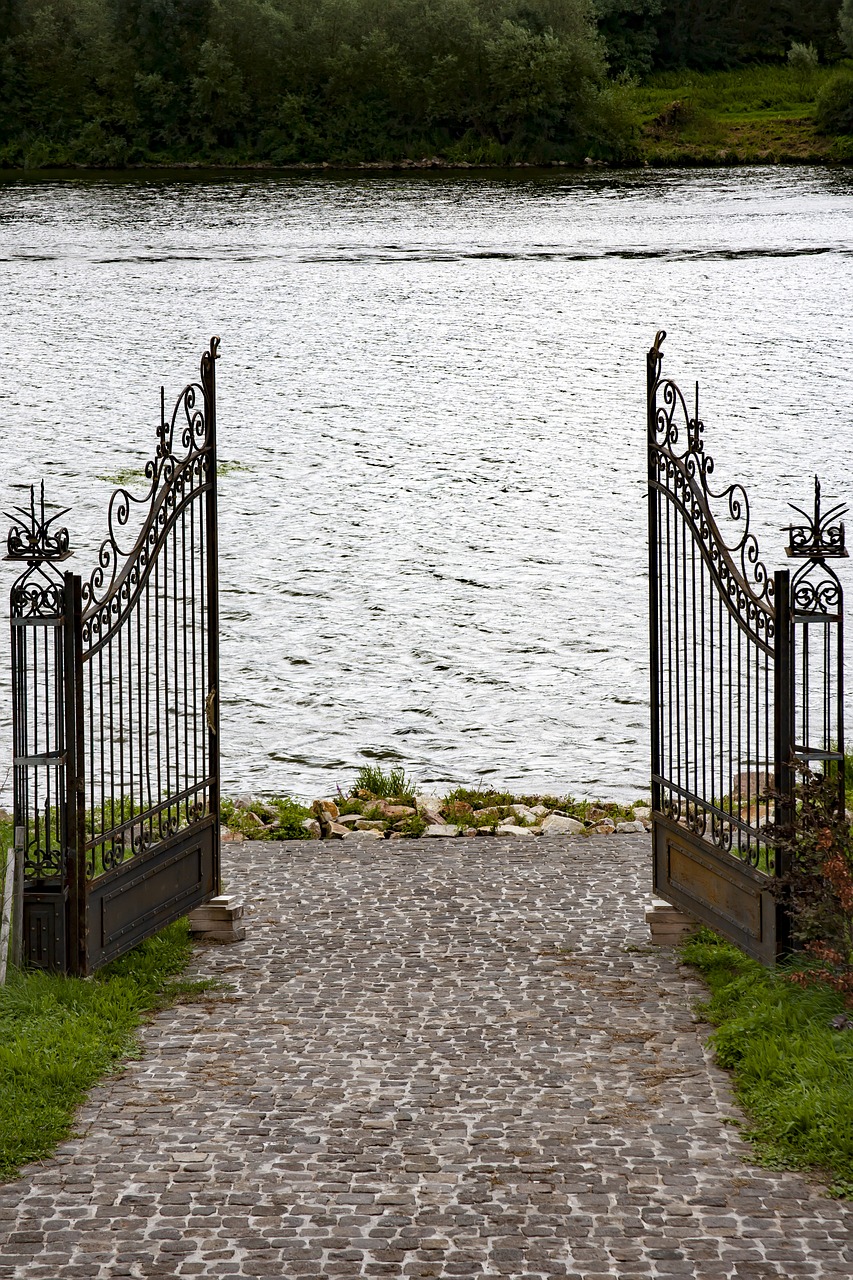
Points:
(740, 690)
(115, 707)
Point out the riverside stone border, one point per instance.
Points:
(439, 1058)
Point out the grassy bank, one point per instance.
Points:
(759, 114)
(792, 1070)
(58, 1036)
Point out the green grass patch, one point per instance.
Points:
(377, 784)
(761, 112)
(792, 1071)
(275, 818)
(59, 1035)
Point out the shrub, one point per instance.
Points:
(802, 58)
(834, 108)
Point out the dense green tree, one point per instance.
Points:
(286, 80)
(720, 33)
(630, 33)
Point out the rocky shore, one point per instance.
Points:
(424, 816)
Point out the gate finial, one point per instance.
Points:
(818, 538)
(30, 540)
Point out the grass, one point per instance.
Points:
(372, 779)
(276, 818)
(59, 1035)
(792, 1072)
(754, 114)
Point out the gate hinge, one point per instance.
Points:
(209, 709)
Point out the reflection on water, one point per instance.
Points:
(434, 549)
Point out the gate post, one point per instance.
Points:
(208, 378)
(75, 795)
(783, 711)
(39, 624)
(653, 368)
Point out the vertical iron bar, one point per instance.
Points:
(213, 695)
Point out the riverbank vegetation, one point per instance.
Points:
(116, 83)
(390, 805)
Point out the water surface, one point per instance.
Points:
(433, 549)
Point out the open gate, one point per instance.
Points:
(746, 681)
(115, 707)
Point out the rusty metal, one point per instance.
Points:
(115, 708)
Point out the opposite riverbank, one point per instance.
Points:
(762, 114)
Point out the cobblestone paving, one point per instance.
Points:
(449, 1058)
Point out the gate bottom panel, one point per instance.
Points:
(719, 890)
(44, 934)
(146, 893)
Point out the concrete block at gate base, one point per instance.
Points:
(667, 925)
(216, 921)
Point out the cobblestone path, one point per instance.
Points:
(444, 1058)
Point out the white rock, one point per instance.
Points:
(312, 828)
(336, 831)
(441, 829)
(349, 819)
(540, 810)
(370, 833)
(524, 811)
(642, 811)
(624, 827)
(509, 830)
(557, 824)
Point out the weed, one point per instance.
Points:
(378, 784)
(276, 818)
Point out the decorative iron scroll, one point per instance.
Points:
(179, 469)
(39, 591)
(713, 639)
(684, 468)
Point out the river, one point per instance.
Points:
(431, 400)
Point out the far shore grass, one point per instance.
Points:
(754, 115)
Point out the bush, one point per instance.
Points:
(802, 58)
(834, 108)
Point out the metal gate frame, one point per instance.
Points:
(724, 748)
(116, 708)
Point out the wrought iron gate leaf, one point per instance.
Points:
(133, 796)
(723, 642)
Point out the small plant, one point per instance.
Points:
(803, 60)
(278, 818)
(372, 780)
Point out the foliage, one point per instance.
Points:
(845, 26)
(714, 34)
(803, 58)
(372, 783)
(793, 1070)
(630, 34)
(59, 1035)
(818, 884)
(834, 110)
(276, 818)
(114, 82)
